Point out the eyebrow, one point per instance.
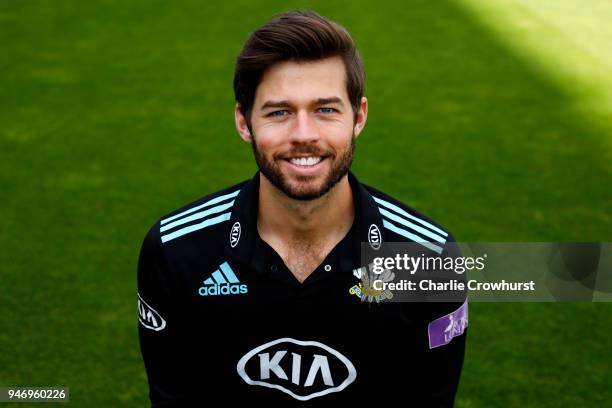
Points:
(286, 104)
(275, 104)
(325, 101)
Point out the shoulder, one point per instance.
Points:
(203, 218)
(405, 224)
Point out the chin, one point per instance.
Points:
(305, 191)
(300, 192)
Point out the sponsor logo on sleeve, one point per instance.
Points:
(442, 330)
(149, 317)
(301, 369)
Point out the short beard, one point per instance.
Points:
(272, 172)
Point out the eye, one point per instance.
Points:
(278, 113)
(327, 110)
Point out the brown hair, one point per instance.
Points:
(295, 36)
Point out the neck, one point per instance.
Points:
(310, 221)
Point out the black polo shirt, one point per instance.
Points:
(223, 321)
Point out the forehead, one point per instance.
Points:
(303, 81)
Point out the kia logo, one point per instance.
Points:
(235, 234)
(302, 369)
(149, 317)
(374, 237)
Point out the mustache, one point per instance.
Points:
(302, 150)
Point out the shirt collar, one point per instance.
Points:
(248, 249)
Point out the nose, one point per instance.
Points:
(305, 129)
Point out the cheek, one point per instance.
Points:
(268, 142)
(338, 127)
(340, 137)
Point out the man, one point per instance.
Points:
(249, 294)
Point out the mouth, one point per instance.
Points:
(307, 161)
(305, 165)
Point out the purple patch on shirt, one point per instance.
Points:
(442, 330)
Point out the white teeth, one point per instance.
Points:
(305, 161)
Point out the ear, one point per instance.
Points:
(362, 116)
(241, 125)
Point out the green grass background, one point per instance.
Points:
(494, 118)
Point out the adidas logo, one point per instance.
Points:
(223, 281)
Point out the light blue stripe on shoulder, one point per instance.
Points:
(194, 227)
(229, 273)
(409, 235)
(206, 204)
(410, 216)
(412, 226)
(197, 216)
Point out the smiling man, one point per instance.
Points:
(247, 294)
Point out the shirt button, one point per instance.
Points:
(273, 268)
(328, 267)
